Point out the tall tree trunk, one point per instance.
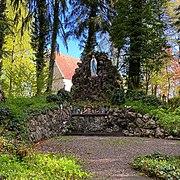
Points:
(11, 68)
(11, 71)
(40, 59)
(155, 89)
(91, 41)
(152, 89)
(169, 82)
(135, 47)
(53, 45)
(2, 33)
(147, 82)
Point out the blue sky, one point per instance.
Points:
(73, 48)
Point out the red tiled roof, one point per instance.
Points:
(66, 64)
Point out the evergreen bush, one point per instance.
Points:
(174, 102)
(61, 97)
(64, 95)
(140, 95)
(116, 96)
(135, 95)
(151, 100)
(5, 114)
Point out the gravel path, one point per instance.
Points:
(109, 157)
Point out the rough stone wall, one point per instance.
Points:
(91, 119)
(124, 121)
(52, 124)
(87, 88)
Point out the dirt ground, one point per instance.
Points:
(109, 157)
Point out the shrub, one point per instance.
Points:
(15, 111)
(64, 95)
(151, 100)
(174, 102)
(5, 118)
(41, 166)
(5, 115)
(159, 166)
(53, 98)
(140, 95)
(116, 96)
(177, 111)
(168, 119)
(139, 106)
(135, 95)
(13, 147)
(61, 97)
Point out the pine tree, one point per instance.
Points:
(138, 29)
(87, 18)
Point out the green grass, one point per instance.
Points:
(158, 165)
(41, 166)
(23, 107)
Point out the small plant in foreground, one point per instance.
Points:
(41, 166)
(158, 165)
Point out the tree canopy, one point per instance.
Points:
(136, 29)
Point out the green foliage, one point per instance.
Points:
(139, 106)
(41, 166)
(5, 114)
(22, 108)
(64, 95)
(140, 95)
(174, 102)
(61, 97)
(159, 166)
(53, 98)
(167, 118)
(18, 71)
(138, 29)
(177, 111)
(14, 147)
(152, 100)
(135, 95)
(5, 118)
(15, 111)
(116, 96)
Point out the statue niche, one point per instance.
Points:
(94, 77)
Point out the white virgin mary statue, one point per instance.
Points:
(93, 66)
